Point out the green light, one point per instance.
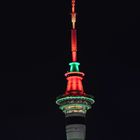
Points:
(91, 100)
(74, 66)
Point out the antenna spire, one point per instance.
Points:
(73, 33)
(73, 14)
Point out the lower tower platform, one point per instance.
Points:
(75, 103)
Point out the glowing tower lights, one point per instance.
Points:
(75, 102)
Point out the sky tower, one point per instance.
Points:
(75, 102)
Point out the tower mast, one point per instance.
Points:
(75, 102)
(73, 33)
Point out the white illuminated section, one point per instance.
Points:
(76, 132)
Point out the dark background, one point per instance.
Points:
(108, 50)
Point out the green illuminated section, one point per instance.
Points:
(91, 100)
(74, 66)
(75, 104)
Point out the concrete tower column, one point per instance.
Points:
(75, 126)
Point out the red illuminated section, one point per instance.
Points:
(74, 84)
(74, 77)
(73, 33)
(74, 45)
(73, 14)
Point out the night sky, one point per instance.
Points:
(108, 42)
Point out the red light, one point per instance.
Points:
(74, 85)
(73, 45)
(80, 86)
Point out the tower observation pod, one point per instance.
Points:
(75, 102)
